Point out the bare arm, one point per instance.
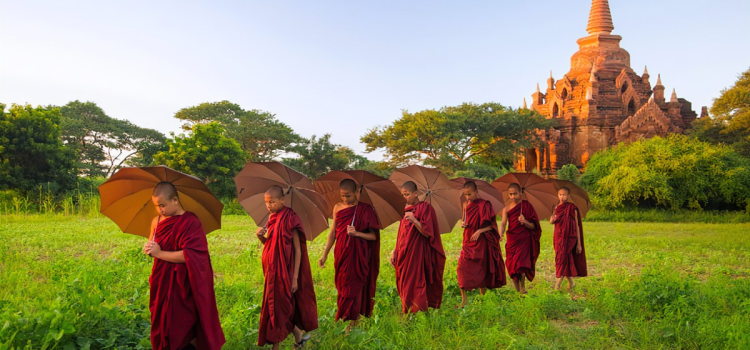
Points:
(330, 240)
(552, 219)
(503, 221)
(529, 225)
(177, 256)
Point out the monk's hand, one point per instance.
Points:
(475, 236)
(522, 219)
(579, 249)
(322, 261)
(147, 248)
(261, 232)
(155, 249)
(409, 216)
(393, 258)
(294, 285)
(351, 231)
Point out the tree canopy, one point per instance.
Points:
(32, 153)
(259, 133)
(207, 154)
(451, 137)
(104, 144)
(730, 118)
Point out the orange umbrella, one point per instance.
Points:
(435, 189)
(255, 179)
(126, 198)
(541, 193)
(486, 192)
(382, 194)
(578, 195)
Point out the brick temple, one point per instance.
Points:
(600, 102)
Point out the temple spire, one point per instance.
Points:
(524, 103)
(600, 18)
(674, 96)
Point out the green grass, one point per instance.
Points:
(70, 282)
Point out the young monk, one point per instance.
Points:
(522, 244)
(570, 253)
(419, 258)
(480, 264)
(288, 294)
(182, 301)
(356, 232)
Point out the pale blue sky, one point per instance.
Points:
(343, 67)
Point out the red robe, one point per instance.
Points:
(480, 264)
(182, 301)
(419, 260)
(357, 262)
(522, 244)
(568, 263)
(283, 310)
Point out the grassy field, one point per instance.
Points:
(70, 282)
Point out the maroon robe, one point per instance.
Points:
(182, 301)
(357, 262)
(480, 264)
(282, 309)
(568, 263)
(522, 244)
(419, 260)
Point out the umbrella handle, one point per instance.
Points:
(355, 214)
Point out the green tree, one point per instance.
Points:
(568, 172)
(31, 151)
(451, 137)
(672, 172)
(317, 156)
(730, 118)
(207, 154)
(382, 169)
(259, 133)
(104, 144)
(482, 171)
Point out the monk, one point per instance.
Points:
(522, 243)
(480, 264)
(419, 258)
(570, 253)
(356, 232)
(182, 300)
(288, 294)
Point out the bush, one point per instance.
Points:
(673, 172)
(568, 172)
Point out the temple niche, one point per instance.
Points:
(600, 102)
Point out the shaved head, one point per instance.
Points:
(165, 189)
(567, 190)
(409, 186)
(275, 191)
(516, 186)
(471, 185)
(348, 185)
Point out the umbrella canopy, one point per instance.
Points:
(541, 193)
(486, 192)
(126, 198)
(382, 194)
(578, 195)
(435, 188)
(299, 195)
